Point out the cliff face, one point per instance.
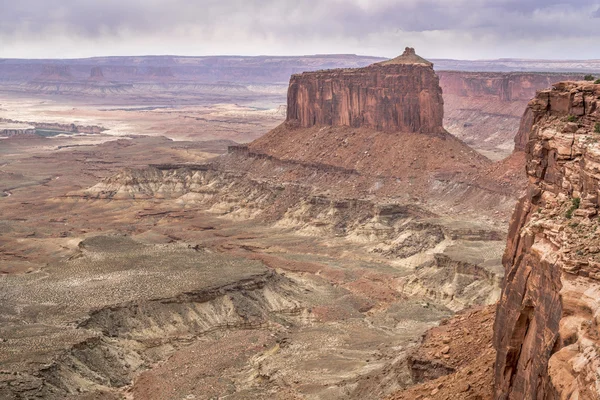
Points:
(402, 94)
(502, 86)
(546, 331)
(484, 108)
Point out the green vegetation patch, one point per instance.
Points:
(575, 202)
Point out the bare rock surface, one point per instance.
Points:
(455, 360)
(546, 327)
(484, 109)
(402, 94)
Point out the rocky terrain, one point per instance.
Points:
(485, 109)
(546, 330)
(331, 263)
(352, 252)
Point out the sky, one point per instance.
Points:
(459, 29)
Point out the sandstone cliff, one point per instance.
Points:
(546, 330)
(484, 108)
(402, 94)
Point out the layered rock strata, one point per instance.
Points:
(484, 108)
(402, 94)
(546, 331)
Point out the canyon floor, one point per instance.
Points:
(160, 298)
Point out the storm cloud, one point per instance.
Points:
(439, 28)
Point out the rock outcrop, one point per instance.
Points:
(96, 73)
(510, 86)
(546, 330)
(30, 127)
(402, 94)
(383, 122)
(9, 130)
(56, 72)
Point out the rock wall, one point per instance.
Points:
(546, 331)
(484, 108)
(502, 86)
(393, 96)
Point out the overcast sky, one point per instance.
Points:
(462, 29)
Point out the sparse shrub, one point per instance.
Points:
(571, 118)
(597, 127)
(575, 202)
(589, 77)
(569, 213)
(597, 82)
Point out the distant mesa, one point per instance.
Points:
(9, 129)
(56, 72)
(398, 95)
(96, 73)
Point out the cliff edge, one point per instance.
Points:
(546, 330)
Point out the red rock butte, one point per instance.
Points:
(399, 95)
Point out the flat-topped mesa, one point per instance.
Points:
(398, 95)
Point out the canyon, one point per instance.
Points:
(163, 244)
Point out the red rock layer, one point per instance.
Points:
(455, 360)
(509, 86)
(546, 330)
(484, 108)
(387, 97)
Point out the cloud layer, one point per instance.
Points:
(439, 28)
